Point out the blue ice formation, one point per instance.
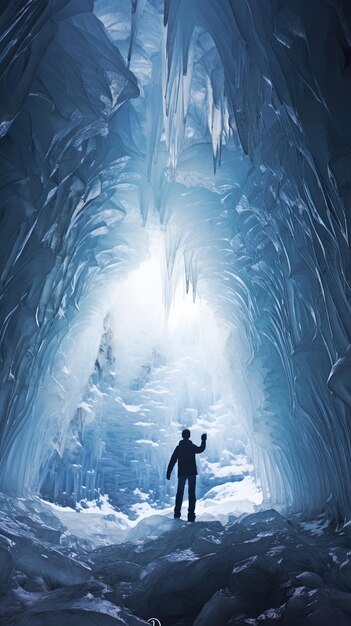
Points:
(222, 130)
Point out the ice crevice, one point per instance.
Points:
(175, 190)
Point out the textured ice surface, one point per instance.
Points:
(79, 421)
(256, 92)
(260, 93)
(56, 161)
(255, 568)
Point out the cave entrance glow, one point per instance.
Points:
(151, 326)
(165, 363)
(163, 367)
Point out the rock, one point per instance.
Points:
(259, 582)
(56, 569)
(6, 568)
(309, 579)
(84, 612)
(219, 609)
(179, 585)
(117, 571)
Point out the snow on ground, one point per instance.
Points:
(103, 524)
(316, 527)
(228, 499)
(99, 525)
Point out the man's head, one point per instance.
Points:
(186, 433)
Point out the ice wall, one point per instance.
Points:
(286, 90)
(65, 84)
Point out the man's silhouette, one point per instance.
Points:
(187, 471)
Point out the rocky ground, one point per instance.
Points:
(257, 569)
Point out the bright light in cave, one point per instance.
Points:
(184, 309)
(172, 371)
(141, 296)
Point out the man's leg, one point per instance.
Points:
(192, 498)
(179, 496)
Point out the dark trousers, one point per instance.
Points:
(180, 493)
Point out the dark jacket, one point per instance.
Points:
(185, 455)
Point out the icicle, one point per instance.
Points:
(153, 124)
(146, 201)
(167, 4)
(190, 272)
(187, 266)
(188, 64)
(172, 243)
(177, 78)
(194, 279)
(137, 10)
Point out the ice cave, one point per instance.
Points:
(175, 254)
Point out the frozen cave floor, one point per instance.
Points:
(255, 568)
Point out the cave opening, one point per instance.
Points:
(164, 363)
(172, 352)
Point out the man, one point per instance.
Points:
(187, 471)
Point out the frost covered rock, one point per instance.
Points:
(151, 527)
(202, 537)
(84, 612)
(179, 584)
(309, 579)
(113, 571)
(219, 609)
(252, 571)
(56, 569)
(77, 605)
(259, 582)
(6, 568)
(43, 532)
(313, 607)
